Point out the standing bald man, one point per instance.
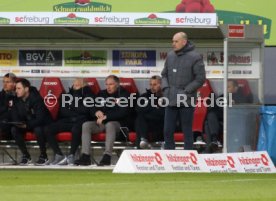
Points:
(182, 75)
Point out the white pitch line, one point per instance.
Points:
(131, 183)
(57, 167)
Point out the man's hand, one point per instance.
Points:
(99, 114)
(100, 120)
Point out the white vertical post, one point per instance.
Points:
(225, 78)
(261, 81)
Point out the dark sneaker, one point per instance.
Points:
(42, 161)
(219, 144)
(144, 144)
(59, 160)
(199, 141)
(25, 160)
(106, 160)
(84, 160)
(70, 159)
(212, 147)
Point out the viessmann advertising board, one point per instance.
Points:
(156, 13)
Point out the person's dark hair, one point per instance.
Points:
(235, 83)
(25, 83)
(11, 76)
(114, 77)
(156, 77)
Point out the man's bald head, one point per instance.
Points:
(179, 41)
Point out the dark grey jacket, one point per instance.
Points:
(183, 73)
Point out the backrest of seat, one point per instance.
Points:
(129, 85)
(94, 85)
(51, 88)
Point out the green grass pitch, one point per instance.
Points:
(90, 185)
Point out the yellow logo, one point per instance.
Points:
(115, 71)
(8, 58)
(216, 72)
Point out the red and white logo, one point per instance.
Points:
(158, 158)
(50, 83)
(50, 100)
(231, 161)
(236, 31)
(193, 158)
(265, 160)
(149, 159)
(91, 83)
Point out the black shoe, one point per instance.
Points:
(84, 160)
(212, 147)
(106, 160)
(25, 160)
(42, 160)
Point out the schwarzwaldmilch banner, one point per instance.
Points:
(244, 62)
(69, 12)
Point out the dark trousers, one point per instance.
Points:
(147, 124)
(18, 135)
(53, 129)
(213, 126)
(185, 115)
(5, 131)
